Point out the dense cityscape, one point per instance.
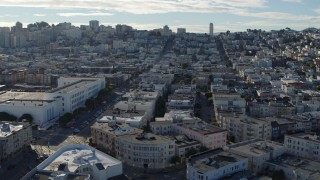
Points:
(101, 102)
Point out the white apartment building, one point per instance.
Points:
(244, 128)
(228, 100)
(295, 167)
(210, 136)
(161, 127)
(47, 107)
(303, 145)
(13, 137)
(215, 164)
(145, 150)
(225, 101)
(183, 145)
(104, 134)
(258, 152)
(79, 160)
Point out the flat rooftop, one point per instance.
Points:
(122, 118)
(72, 86)
(117, 129)
(256, 147)
(26, 102)
(308, 168)
(75, 156)
(200, 127)
(183, 141)
(41, 174)
(214, 159)
(124, 113)
(146, 138)
(305, 136)
(7, 128)
(5, 96)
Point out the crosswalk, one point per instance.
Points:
(76, 140)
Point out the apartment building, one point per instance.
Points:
(257, 151)
(210, 136)
(215, 164)
(145, 150)
(244, 128)
(303, 145)
(295, 167)
(13, 137)
(104, 134)
(134, 118)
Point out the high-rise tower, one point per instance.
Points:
(211, 29)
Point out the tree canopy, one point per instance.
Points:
(4, 116)
(27, 117)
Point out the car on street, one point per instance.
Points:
(75, 131)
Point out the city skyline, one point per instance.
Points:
(195, 16)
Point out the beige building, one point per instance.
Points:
(210, 136)
(13, 137)
(258, 152)
(161, 127)
(244, 128)
(145, 150)
(215, 164)
(104, 134)
(303, 145)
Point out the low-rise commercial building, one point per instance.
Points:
(215, 164)
(78, 161)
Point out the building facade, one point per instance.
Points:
(215, 164)
(303, 145)
(13, 137)
(145, 150)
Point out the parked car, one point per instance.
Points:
(75, 131)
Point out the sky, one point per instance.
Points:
(194, 15)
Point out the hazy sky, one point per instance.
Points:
(195, 15)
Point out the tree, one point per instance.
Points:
(215, 123)
(161, 107)
(65, 119)
(175, 159)
(27, 117)
(89, 103)
(184, 65)
(191, 152)
(278, 175)
(203, 148)
(208, 95)
(4, 116)
(146, 128)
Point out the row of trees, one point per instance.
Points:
(176, 159)
(4, 116)
(67, 119)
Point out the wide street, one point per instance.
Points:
(47, 142)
